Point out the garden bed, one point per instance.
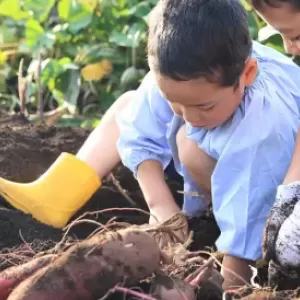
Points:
(26, 151)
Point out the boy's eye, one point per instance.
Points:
(295, 39)
(207, 107)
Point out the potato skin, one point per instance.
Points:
(11, 277)
(25, 270)
(91, 268)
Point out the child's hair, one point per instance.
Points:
(199, 38)
(260, 4)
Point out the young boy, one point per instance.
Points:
(284, 16)
(282, 232)
(224, 109)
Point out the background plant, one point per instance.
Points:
(79, 54)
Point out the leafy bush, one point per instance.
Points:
(79, 53)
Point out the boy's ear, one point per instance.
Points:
(250, 71)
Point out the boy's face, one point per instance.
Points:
(286, 20)
(202, 103)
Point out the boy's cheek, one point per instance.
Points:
(292, 48)
(176, 108)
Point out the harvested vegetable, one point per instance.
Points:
(11, 277)
(89, 269)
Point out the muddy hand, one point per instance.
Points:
(172, 231)
(286, 198)
(284, 266)
(281, 278)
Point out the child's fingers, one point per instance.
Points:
(272, 227)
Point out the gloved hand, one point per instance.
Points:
(173, 230)
(281, 277)
(281, 242)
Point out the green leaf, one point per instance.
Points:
(120, 39)
(33, 32)
(64, 7)
(67, 87)
(94, 53)
(131, 39)
(76, 14)
(51, 69)
(11, 9)
(69, 121)
(90, 123)
(36, 37)
(39, 9)
(276, 46)
(140, 10)
(8, 34)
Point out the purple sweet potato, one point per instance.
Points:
(89, 269)
(6, 285)
(11, 277)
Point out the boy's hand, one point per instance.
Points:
(162, 212)
(282, 278)
(173, 230)
(281, 242)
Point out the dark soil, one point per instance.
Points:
(26, 151)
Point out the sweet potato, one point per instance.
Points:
(91, 268)
(11, 277)
(166, 288)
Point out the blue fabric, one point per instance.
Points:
(253, 148)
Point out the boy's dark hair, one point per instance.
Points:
(260, 4)
(199, 38)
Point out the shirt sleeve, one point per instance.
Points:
(254, 151)
(143, 127)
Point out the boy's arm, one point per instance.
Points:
(143, 146)
(156, 192)
(293, 173)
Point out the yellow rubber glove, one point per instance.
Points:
(56, 196)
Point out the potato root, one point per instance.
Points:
(11, 277)
(89, 269)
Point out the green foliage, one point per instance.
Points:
(91, 52)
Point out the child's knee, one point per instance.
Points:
(199, 164)
(187, 149)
